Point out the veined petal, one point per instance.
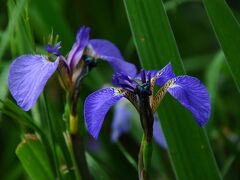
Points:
(193, 95)
(121, 119)
(76, 52)
(158, 133)
(107, 51)
(27, 77)
(96, 107)
(159, 77)
(148, 73)
(124, 81)
(164, 75)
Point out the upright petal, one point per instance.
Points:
(193, 95)
(27, 77)
(107, 51)
(76, 52)
(54, 50)
(124, 81)
(148, 73)
(121, 119)
(160, 77)
(164, 75)
(96, 107)
(158, 133)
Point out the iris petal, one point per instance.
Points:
(124, 81)
(107, 51)
(27, 77)
(161, 77)
(96, 107)
(121, 119)
(158, 133)
(193, 95)
(76, 52)
(164, 75)
(54, 50)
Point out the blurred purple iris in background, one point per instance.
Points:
(29, 73)
(189, 91)
(122, 123)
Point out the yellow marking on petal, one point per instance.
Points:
(130, 96)
(160, 94)
(152, 84)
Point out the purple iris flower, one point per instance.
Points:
(29, 73)
(189, 91)
(122, 123)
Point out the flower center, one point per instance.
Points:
(90, 61)
(143, 89)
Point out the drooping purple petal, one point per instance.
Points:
(96, 107)
(158, 133)
(54, 50)
(121, 119)
(107, 51)
(27, 77)
(124, 81)
(76, 52)
(193, 95)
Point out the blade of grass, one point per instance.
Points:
(213, 74)
(51, 135)
(16, 113)
(127, 155)
(34, 158)
(188, 145)
(4, 83)
(13, 20)
(227, 30)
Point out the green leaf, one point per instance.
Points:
(4, 83)
(33, 158)
(227, 30)
(188, 145)
(50, 135)
(16, 113)
(213, 74)
(14, 18)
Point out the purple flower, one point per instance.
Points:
(29, 73)
(122, 123)
(189, 91)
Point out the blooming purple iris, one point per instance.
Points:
(189, 91)
(122, 123)
(29, 73)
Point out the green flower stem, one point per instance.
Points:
(145, 153)
(144, 158)
(80, 156)
(77, 139)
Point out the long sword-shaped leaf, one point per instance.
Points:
(15, 16)
(34, 158)
(227, 30)
(188, 145)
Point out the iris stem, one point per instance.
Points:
(144, 158)
(145, 152)
(78, 144)
(79, 152)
